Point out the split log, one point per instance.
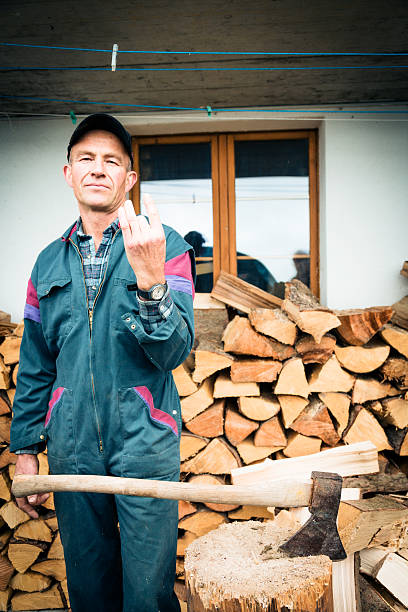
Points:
(299, 445)
(270, 433)
(360, 520)
(255, 370)
(339, 405)
(245, 513)
(51, 567)
(359, 325)
(4, 404)
(369, 389)
(5, 599)
(183, 380)
(30, 582)
(19, 329)
(198, 401)
(184, 541)
(364, 426)
(259, 408)
(261, 576)
(56, 551)
(50, 599)
(250, 453)
(202, 522)
(398, 439)
(359, 458)
(291, 407)
(208, 479)
(292, 379)
(52, 523)
(241, 295)
(12, 515)
(389, 569)
(216, 458)
(362, 359)
(4, 375)
(395, 369)
(400, 316)
(14, 375)
(5, 422)
(209, 423)
(237, 427)
(315, 421)
(330, 377)
(392, 411)
(316, 322)
(274, 323)
(190, 445)
(397, 338)
(34, 529)
(224, 387)
(10, 349)
(209, 354)
(23, 555)
(239, 337)
(6, 572)
(312, 352)
(185, 507)
(346, 591)
(5, 486)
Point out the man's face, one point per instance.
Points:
(98, 172)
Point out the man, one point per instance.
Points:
(109, 314)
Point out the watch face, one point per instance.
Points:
(158, 292)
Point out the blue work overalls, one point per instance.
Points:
(98, 390)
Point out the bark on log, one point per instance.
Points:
(358, 325)
(395, 369)
(312, 352)
(260, 578)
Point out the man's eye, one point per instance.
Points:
(112, 161)
(85, 159)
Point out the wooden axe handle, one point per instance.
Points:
(282, 493)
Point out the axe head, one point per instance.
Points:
(319, 536)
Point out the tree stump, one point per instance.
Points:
(239, 568)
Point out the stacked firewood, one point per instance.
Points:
(268, 380)
(32, 566)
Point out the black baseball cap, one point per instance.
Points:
(102, 121)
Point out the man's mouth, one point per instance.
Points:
(97, 186)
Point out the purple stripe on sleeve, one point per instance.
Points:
(178, 283)
(155, 414)
(33, 313)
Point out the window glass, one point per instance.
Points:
(178, 177)
(272, 211)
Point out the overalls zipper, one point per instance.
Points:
(90, 317)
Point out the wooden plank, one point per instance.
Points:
(242, 295)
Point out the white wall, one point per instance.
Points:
(36, 205)
(364, 212)
(363, 206)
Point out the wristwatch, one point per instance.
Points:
(155, 293)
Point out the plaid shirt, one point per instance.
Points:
(152, 313)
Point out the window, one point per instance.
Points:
(246, 202)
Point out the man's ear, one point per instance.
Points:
(130, 180)
(68, 174)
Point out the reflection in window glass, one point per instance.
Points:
(272, 211)
(178, 177)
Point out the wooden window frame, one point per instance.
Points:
(223, 191)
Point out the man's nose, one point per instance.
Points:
(98, 167)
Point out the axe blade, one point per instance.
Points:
(319, 535)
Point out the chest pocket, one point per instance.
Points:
(55, 298)
(122, 301)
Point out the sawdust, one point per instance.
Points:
(242, 560)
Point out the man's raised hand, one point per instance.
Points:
(145, 243)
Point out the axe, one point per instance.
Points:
(321, 493)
